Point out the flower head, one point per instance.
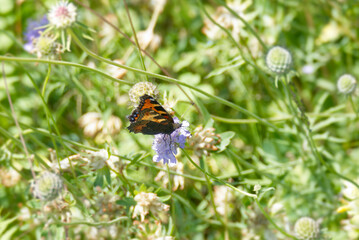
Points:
(47, 186)
(94, 126)
(204, 141)
(147, 202)
(33, 31)
(347, 84)
(140, 89)
(178, 180)
(166, 145)
(306, 228)
(279, 60)
(96, 160)
(46, 45)
(9, 177)
(223, 199)
(62, 15)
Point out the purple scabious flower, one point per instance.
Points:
(166, 144)
(32, 32)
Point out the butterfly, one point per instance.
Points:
(151, 118)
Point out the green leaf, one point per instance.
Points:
(99, 179)
(221, 70)
(127, 202)
(225, 140)
(4, 224)
(165, 198)
(107, 175)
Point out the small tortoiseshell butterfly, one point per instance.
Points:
(151, 118)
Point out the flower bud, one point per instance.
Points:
(306, 228)
(279, 60)
(346, 84)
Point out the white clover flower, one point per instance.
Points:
(350, 191)
(9, 177)
(306, 228)
(94, 126)
(47, 186)
(227, 20)
(346, 84)
(147, 202)
(223, 198)
(279, 60)
(115, 71)
(62, 15)
(96, 160)
(178, 181)
(204, 141)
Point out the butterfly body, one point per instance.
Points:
(151, 118)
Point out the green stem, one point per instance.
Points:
(136, 40)
(46, 81)
(172, 80)
(119, 219)
(245, 23)
(353, 106)
(71, 64)
(272, 222)
(217, 179)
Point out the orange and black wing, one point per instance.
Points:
(150, 118)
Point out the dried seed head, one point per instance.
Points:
(47, 186)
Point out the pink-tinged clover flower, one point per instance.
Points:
(166, 145)
(62, 15)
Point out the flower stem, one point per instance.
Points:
(272, 222)
(217, 179)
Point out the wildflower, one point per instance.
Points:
(151, 231)
(306, 228)
(308, 69)
(330, 32)
(223, 198)
(279, 60)
(46, 46)
(33, 31)
(350, 191)
(47, 186)
(178, 181)
(140, 89)
(166, 145)
(62, 15)
(117, 72)
(147, 202)
(94, 126)
(346, 84)
(148, 38)
(204, 141)
(227, 20)
(96, 160)
(9, 177)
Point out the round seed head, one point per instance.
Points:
(279, 60)
(346, 84)
(306, 228)
(47, 186)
